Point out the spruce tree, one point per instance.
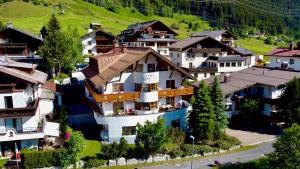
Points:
(218, 101)
(53, 24)
(201, 118)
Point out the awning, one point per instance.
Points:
(51, 129)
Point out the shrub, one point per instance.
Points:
(169, 148)
(41, 159)
(176, 136)
(198, 149)
(175, 26)
(94, 163)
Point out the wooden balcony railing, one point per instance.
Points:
(127, 96)
(13, 45)
(30, 110)
(176, 92)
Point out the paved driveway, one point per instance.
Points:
(250, 138)
(204, 163)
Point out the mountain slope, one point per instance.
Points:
(79, 14)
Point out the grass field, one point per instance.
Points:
(255, 45)
(79, 14)
(92, 149)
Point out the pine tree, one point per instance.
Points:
(201, 118)
(217, 99)
(53, 24)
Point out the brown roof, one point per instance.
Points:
(104, 67)
(251, 76)
(284, 52)
(102, 31)
(24, 71)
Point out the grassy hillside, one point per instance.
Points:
(79, 14)
(255, 45)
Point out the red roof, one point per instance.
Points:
(284, 52)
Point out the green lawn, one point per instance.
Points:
(79, 14)
(93, 147)
(3, 162)
(255, 45)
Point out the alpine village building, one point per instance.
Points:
(203, 56)
(97, 40)
(285, 58)
(153, 34)
(25, 107)
(135, 85)
(19, 45)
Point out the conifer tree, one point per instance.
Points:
(217, 99)
(201, 118)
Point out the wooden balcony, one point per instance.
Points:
(176, 92)
(13, 45)
(30, 110)
(117, 97)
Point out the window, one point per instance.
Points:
(175, 123)
(196, 75)
(205, 75)
(118, 107)
(151, 67)
(89, 51)
(15, 123)
(149, 87)
(205, 55)
(222, 64)
(170, 101)
(178, 55)
(227, 64)
(89, 42)
(138, 87)
(278, 60)
(145, 106)
(118, 87)
(163, 66)
(233, 64)
(239, 64)
(139, 67)
(129, 69)
(8, 102)
(170, 84)
(292, 61)
(191, 65)
(128, 130)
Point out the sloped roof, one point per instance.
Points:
(284, 52)
(100, 30)
(243, 51)
(228, 58)
(23, 32)
(139, 27)
(24, 71)
(104, 67)
(212, 34)
(186, 43)
(251, 76)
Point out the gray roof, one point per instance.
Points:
(251, 76)
(228, 58)
(186, 42)
(212, 34)
(26, 33)
(243, 51)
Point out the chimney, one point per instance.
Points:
(227, 78)
(292, 46)
(9, 25)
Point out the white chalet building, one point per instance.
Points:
(262, 83)
(24, 107)
(285, 58)
(223, 36)
(153, 34)
(204, 56)
(134, 86)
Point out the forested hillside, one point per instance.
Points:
(240, 16)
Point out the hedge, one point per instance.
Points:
(41, 159)
(94, 163)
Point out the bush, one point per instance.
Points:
(94, 163)
(41, 159)
(198, 149)
(175, 26)
(176, 136)
(168, 148)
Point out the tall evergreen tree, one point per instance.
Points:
(217, 99)
(53, 24)
(201, 118)
(289, 102)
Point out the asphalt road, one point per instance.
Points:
(204, 163)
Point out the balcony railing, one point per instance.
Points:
(30, 110)
(127, 96)
(206, 50)
(13, 45)
(176, 92)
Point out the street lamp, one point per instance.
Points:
(193, 138)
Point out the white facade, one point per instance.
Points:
(119, 119)
(89, 44)
(284, 62)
